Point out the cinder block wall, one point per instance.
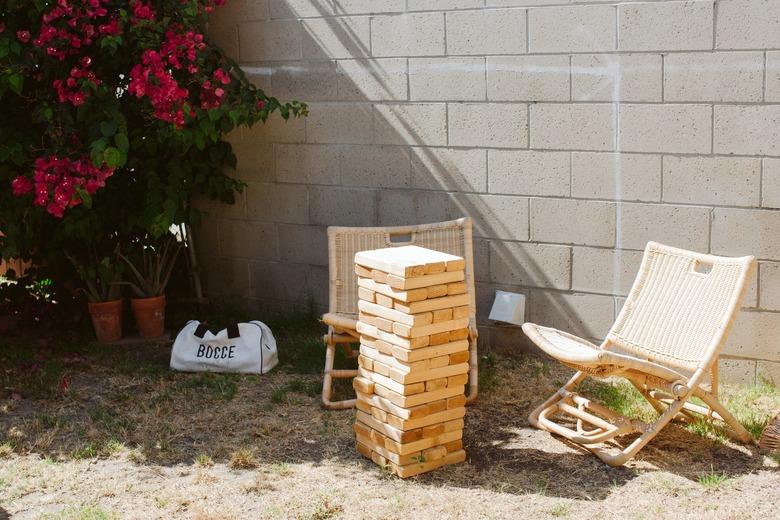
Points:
(571, 133)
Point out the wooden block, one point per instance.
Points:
(458, 357)
(417, 468)
(456, 288)
(442, 315)
(414, 320)
(374, 355)
(365, 340)
(435, 268)
(453, 445)
(368, 320)
(366, 362)
(379, 414)
(435, 453)
(362, 272)
(384, 347)
(410, 389)
(434, 430)
(437, 291)
(458, 380)
(414, 446)
(409, 356)
(426, 375)
(442, 338)
(384, 301)
(453, 426)
(361, 384)
(384, 324)
(456, 265)
(456, 402)
(435, 384)
(405, 284)
(433, 304)
(418, 331)
(363, 449)
(407, 261)
(379, 276)
(381, 369)
(409, 401)
(438, 362)
(387, 430)
(388, 406)
(461, 312)
(408, 343)
(421, 422)
(411, 295)
(459, 334)
(384, 452)
(366, 295)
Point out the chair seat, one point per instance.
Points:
(564, 347)
(340, 322)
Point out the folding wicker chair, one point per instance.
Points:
(665, 340)
(452, 237)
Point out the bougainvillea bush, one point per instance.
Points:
(112, 114)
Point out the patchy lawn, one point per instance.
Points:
(109, 432)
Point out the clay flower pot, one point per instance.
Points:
(106, 320)
(149, 316)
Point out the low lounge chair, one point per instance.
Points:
(666, 341)
(452, 237)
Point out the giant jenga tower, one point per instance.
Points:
(414, 358)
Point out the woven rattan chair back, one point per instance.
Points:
(452, 237)
(681, 306)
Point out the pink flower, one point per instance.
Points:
(21, 185)
(222, 76)
(23, 36)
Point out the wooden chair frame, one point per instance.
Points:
(665, 354)
(452, 237)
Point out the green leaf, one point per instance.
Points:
(86, 198)
(108, 128)
(16, 81)
(122, 143)
(112, 156)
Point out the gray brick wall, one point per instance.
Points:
(572, 132)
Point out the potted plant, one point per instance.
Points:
(101, 281)
(152, 270)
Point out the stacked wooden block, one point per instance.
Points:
(414, 358)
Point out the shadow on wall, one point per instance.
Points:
(412, 172)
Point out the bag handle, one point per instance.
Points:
(232, 331)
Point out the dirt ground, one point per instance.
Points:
(110, 432)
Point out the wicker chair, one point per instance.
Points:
(665, 342)
(452, 237)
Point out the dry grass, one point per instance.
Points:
(128, 438)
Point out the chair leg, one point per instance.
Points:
(737, 429)
(555, 398)
(329, 373)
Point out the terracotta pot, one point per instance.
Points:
(149, 316)
(106, 320)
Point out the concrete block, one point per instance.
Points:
(567, 221)
(449, 169)
(370, 80)
(342, 206)
(404, 207)
(255, 160)
(616, 176)
(530, 265)
(307, 163)
(588, 28)
(417, 124)
(589, 126)
(219, 209)
(284, 282)
(269, 40)
(719, 76)
(305, 80)
(736, 371)
(225, 34)
(368, 6)
(769, 288)
(303, 244)
(241, 11)
(680, 226)
(300, 8)
(608, 271)
(348, 123)
(755, 336)
(225, 276)
(770, 183)
(343, 37)
(437, 5)
(495, 216)
(616, 77)
(665, 26)
(268, 202)
(488, 125)
(251, 240)
(276, 130)
(419, 34)
(528, 78)
(528, 172)
(376, 166)
(748, 24)
(768, 372)
(747, 129)
(447, 79)
(584, 315)
(666, 128)
(485, 32)
(738, 232)
(772, 89)
(727, 181)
